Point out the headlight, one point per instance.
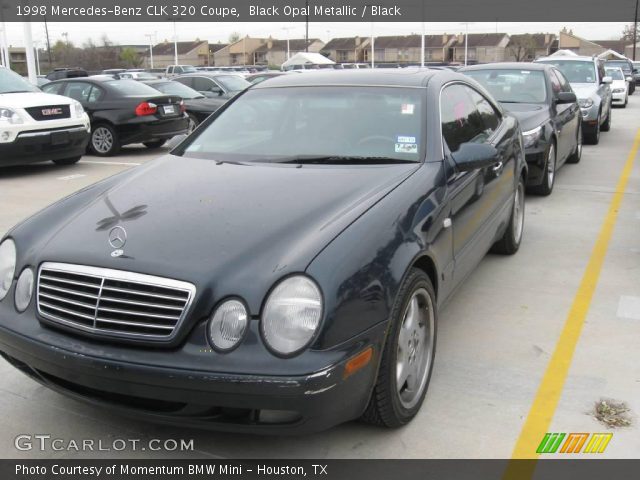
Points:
(78, 110)
(530, 137)
(291, 315)
(24, 290)
(585, 103)
(618, 90)
(7, 265)
(9, 116)
(227, 325)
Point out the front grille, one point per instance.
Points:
(112, 302)
(49, 112)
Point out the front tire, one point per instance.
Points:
(67, 161)
(155, 144)
(104, 141)
(548, 180)
(408, 354)
(606, 126)
(510, 241)
(593, 138)
(576, 155)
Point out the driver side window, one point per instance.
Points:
(461, 120)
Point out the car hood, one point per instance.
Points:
(619, 84)
(228, 228)
(32, 99)
(584, 90)
(530, 115)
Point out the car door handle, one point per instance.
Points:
(497, 168)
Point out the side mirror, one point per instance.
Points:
(607, 80)
(566, 97)
(635, 70)
(629, 79)
(471, 156)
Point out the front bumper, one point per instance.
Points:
(619, 98)
(536, 157)
(94, 372)
(43, 145)
(141, 129)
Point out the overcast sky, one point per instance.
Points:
(134, 33)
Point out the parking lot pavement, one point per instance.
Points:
(496, 338)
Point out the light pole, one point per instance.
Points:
(150, 36)
(373, 46)
(35, 44)
(422, 47)
(287, 29)
(175, 44)
(635, 31)
(28, 46)
(466, 41)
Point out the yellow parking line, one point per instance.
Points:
(548, 395)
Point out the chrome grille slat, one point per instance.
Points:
(141, 304)
(112, 302)
(136, 324)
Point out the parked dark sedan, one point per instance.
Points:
(214, 84)
(540, 97)
(198, 106)
(124, 112)
(266, 277)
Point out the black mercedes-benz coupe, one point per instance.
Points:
(541, 98)
(280, 270)
(124, 112)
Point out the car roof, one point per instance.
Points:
(578, 58)
(204, 73)
(389, 77)
(507, 66)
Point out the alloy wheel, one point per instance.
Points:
(518, 213)
(551, 166)
(102, 140)
(415, 348)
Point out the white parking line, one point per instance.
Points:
(72, 177)
(629, 307)
(96, 162)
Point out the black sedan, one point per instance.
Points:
(214, 84)
(283, 267)
(541, 98)
(124, 112)
(198, 106)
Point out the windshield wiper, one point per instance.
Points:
(342, 160)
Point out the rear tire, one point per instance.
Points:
(407, 355)
(510, 241)
(154, 144)
(67, 161)
(104, 140)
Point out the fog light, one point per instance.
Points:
(228, 325)
(5, 136)
(24, 290)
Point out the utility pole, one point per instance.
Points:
(373, 45)
(287, 29)
(635, 31)
(66, 38)
(422, 47)
(46, 32)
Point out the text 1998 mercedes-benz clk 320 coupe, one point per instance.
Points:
(282, 268)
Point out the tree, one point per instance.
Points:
(627, 33)
(522, 47)
(234, 37)
(130, 57)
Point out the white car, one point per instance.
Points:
(37, 126)
(619, 86)
(140, 76)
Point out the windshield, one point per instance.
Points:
(337, 124)
(176, 88)
(512, 86)
(576, 71)
(233, 83)
(132, 88)
(188, 69)
(11, 82)
(615, 73)
(623, 64)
